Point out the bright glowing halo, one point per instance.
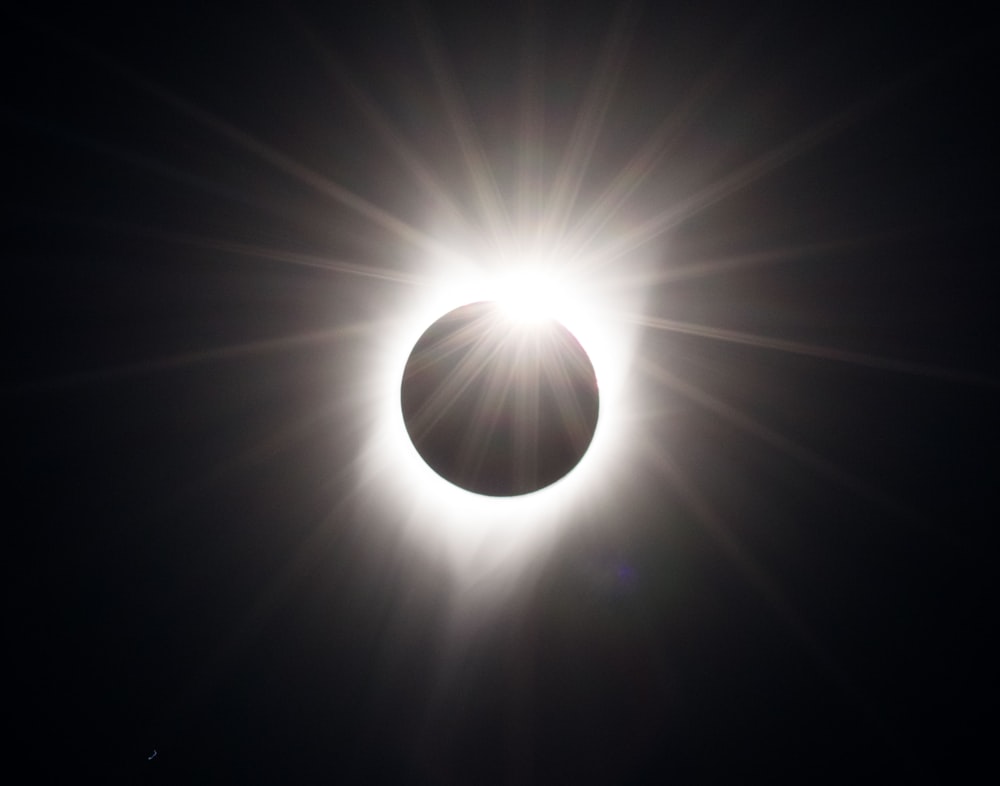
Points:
(529, 293)
(484, 536)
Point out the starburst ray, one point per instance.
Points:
(762, 166)
(289, 166)
(755, 574)
(645, 161)
(742, 177)
(789, 447)
(530, 148)
(266, 153)
(161, 169)
(559, 379)
(279, 439)
(421, 172)
(738, 262)
(735, 181)
(264, 346)
(586, 131)
(811, 350)
(500, 384)
(201, 356)
(527, 410)
(479, 346)
(316, 261)
(493, 213)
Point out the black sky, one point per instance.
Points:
(796, 582)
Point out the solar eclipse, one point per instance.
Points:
(499, 401)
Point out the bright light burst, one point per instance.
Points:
(482, 535)
(532, 292)
(542, 254)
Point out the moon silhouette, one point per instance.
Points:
(498, 404)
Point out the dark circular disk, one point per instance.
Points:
(497, 405)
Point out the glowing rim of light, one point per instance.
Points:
(481, 534)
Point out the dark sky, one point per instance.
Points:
(795, 582)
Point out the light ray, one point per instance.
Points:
(763, 165)
(531, 124)
(559, 379)
(264, 152)
(754, 573)
(159, 168)
(735, 181)
(811, 350)
(296, 258)
(803, 455)
(527, 408)
(654, 150)
(197, 357)
(304, 174)
(738, 262)
(475, 359)
(316, 261)
(419, 170)
(575, 163)
(748, 174)
(498, 387)
(283, 438)
(492, 210)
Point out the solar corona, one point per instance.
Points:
(498, 404)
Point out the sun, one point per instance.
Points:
(530, 292)
(480, 535)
